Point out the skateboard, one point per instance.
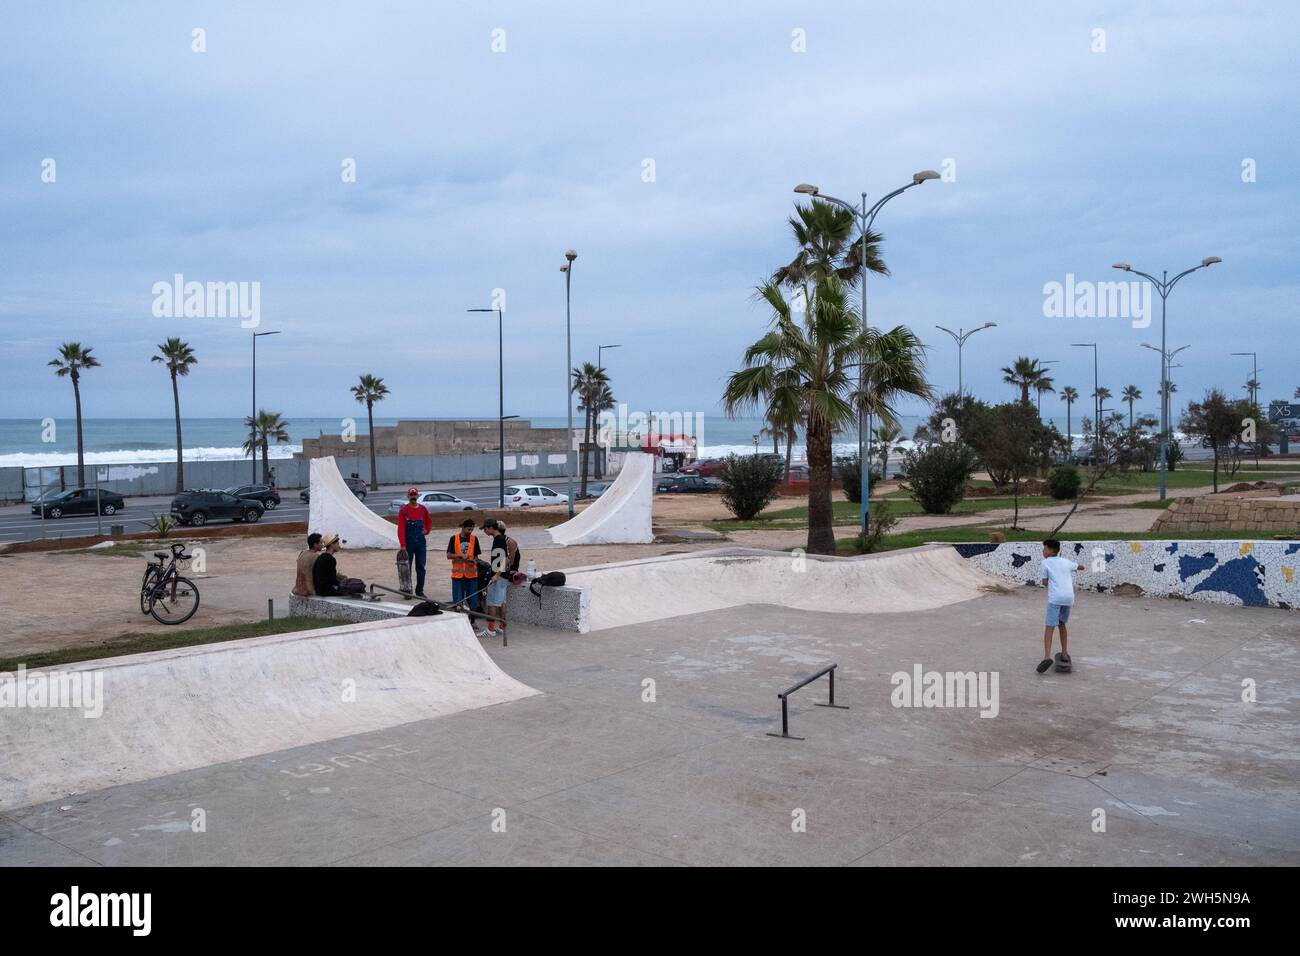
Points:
(1063, 667)
(404, 571)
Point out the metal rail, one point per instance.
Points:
(785, 694)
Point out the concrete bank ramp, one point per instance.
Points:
(633, 592)
(170, 711)
(335, 509)
(622, 515)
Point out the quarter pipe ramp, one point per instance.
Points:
(621, 515)
(171, 711)
(335, 509)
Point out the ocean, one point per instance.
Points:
(30, 443)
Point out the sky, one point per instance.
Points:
(661, 142)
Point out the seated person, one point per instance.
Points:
(302, 584)
(325, 572)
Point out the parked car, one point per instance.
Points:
(78, 501)
(709, 467)
(268, 496)
(687, 484)
(435, 501)
(533, 496)
(597, 488)
(358, 486)
(199, 507)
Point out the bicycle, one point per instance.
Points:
(168, 597)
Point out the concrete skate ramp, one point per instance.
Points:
(633, 592)
(170, 711)
(335, 509)
(622, 514)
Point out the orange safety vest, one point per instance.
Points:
(465, 565)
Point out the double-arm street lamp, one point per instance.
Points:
(501, 407)
(1254, 376)
(1164, 286)
(1166, 360)
(960, 338)
(866, 216)
(567, 269)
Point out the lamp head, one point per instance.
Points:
(807, 189)
(570, 254)
(1122, 266)
(1210, 260)
(923, 175)
(989, 325)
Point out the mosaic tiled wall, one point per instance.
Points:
(1253, 573)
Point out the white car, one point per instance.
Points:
(533, 496)
(435, 501)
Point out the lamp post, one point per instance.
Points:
(501, 406)
(866, 216)
(960, 338)
(1166, 358)
(1096, 399)
(600, 349)
(252, 445)
(567, 269)
(755, 446)
(1164, 286)
(1254, 376)
(1040, 394)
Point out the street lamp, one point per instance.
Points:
(567, 269)
(1254, 376)
(1164, 286)
(1167, 358)
(866, 216)
(501, 406)
(1040, 394)
(960, 338)
(601, 348)
(252, 445)
(1096, 399)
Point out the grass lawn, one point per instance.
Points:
(912, 539)
(846, 512)
(163, 639)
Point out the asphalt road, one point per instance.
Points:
(17, 523)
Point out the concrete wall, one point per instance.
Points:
(1253, 573)
(159, 478)
(1214, 513)
(442, 438)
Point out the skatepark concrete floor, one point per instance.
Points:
(1150, 730)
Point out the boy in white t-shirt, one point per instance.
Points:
(1058, 578)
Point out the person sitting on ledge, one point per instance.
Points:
(302, 584)
(325, 572)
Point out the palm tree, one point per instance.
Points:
(1025, 374)
(887, 436)
(1130, 394)
(179, 358)
(267, 427)
(72, 359)
(1251, 387)
(591, 385)
(370, 390)
(810, 362)
(1069, 395)
(824, 233)
(1043, 385)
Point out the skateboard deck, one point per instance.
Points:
(404, 571)
(1063, 667)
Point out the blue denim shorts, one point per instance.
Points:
(1058, 614)
(496, 592)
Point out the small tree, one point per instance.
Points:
(849, 468)
(936, 476)
(749, 484)
(1217, 424)
(1013, 446)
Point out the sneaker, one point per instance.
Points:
(482, 634)
(419, 594)
(1043, 666)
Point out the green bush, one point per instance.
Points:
(882, 523)
(1063, 482)
(162, 525)
(749, 484)
(937, 476)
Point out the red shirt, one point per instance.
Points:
(412, 512)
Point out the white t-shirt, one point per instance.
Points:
(1059, 573)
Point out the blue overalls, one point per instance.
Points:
(415, 547)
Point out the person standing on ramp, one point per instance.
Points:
(413, 524)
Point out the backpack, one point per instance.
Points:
(551, 579)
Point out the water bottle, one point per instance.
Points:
(532, 568)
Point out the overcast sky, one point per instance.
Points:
(476, 169)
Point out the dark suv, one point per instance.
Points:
(268, 496)
(78, 501)
(198, 507)
(357, 485)
(682, 484)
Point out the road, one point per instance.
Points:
(17, 523)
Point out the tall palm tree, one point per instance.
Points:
(1069, 395)
(1130, 394)
(179, 359)
(1025, 374)
(591, 385)
(887, 437)
(72, 359)
(828, 245)
(267, 427)
(1251, 387)
(811, 362)
(368, 391)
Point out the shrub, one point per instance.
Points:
(162, 525)
(937, 476)
(849, 468)
(882, 523)
(1063, 482)
(749, 483)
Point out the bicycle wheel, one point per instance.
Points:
(174, 601)
(152, 575)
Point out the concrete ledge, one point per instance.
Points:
(561, 609)
(345, 609)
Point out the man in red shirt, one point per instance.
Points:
(413, 523)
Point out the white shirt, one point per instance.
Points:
(1059, 573)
